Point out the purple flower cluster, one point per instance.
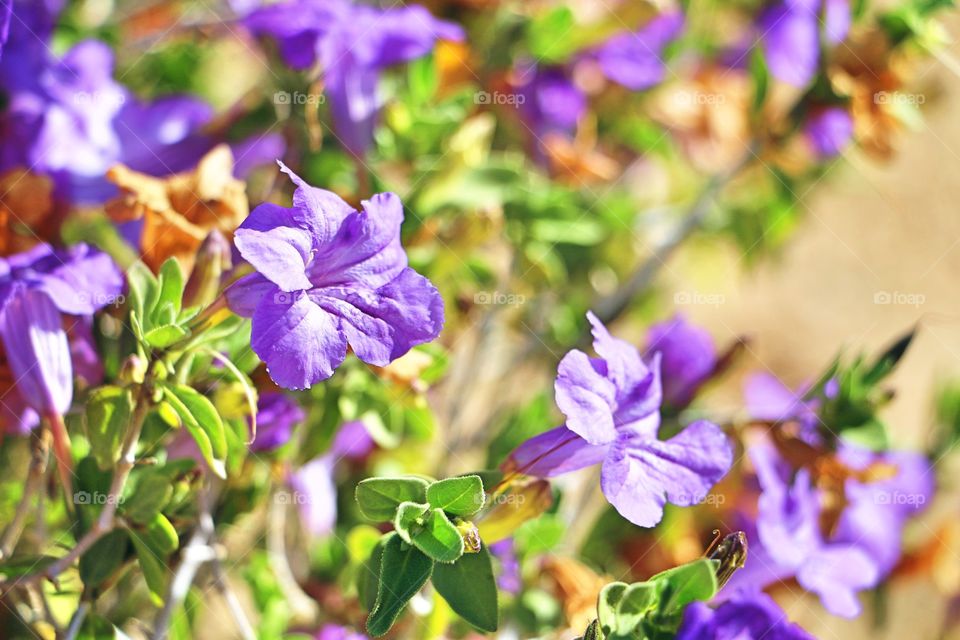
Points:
(329, 277)
(37, 288)
(353, 43)
(612, 407)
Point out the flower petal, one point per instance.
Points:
(37, 350)
(554, 452)
(586, 397)
(836, 573)
(300, 343)
(317, 210)
(641, 474)
(275, 249)
(245, 294)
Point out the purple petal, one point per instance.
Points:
(835, 574)
(634, 60)
(80, 280)
(688, 355)
(366, 248)
(315, 495)
(791, 41)
(354, 102)
(641, 474)
(277, 415)
(276, 250)
(300, 343)
(37, 350)
(586, 397)
(384, 324)
(352, 441)
(320, 211)
(555, 452)
(245, 294)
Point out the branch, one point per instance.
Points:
(35, 475)
(612, 307)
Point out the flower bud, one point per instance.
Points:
(214, 258)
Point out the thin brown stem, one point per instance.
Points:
(35, 475)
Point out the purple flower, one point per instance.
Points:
(277, 415)
(314, 490)
(509, 579)
(612, 406)
(337, 632)
(769, 399)
(634, 60)
(353, 43)
(748, 615)
(829, 130)
(876, 512)
(328, 277)
(551, 102)
(789, 541)
(688, 358)
(36, 288)
(790, 33)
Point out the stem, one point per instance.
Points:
(106, 521)
(35, 475)
(61, 451)
(610, 309)
(77, 621)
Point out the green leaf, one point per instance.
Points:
(201, 419)
(438, 537)
(161, 536)
(549, 35)
(170, 293)
(163, 336)
(607, 603)
(461, 496)
(469, 588)
(378, 498)
(96, 627)
(144, 289)
(635, 603)
(106, 416)
(154, 569)
(409, 519)
(687, 583)
(149, 496)
(403, 572)
(103, 558)
(368, 578)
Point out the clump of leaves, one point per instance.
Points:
(432, 540)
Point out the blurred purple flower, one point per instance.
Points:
(790, 33)
(277, 415)
(612, 406)
(328, 277)
(770, 400)
(876, 512)
(337, 632)
(688, 357)
(635, 60)
(788, 541)
(550, 100)
(314, 490)
(36, 287)
(509, 577)
(748, 615)
(829, 130)
(353, 44)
